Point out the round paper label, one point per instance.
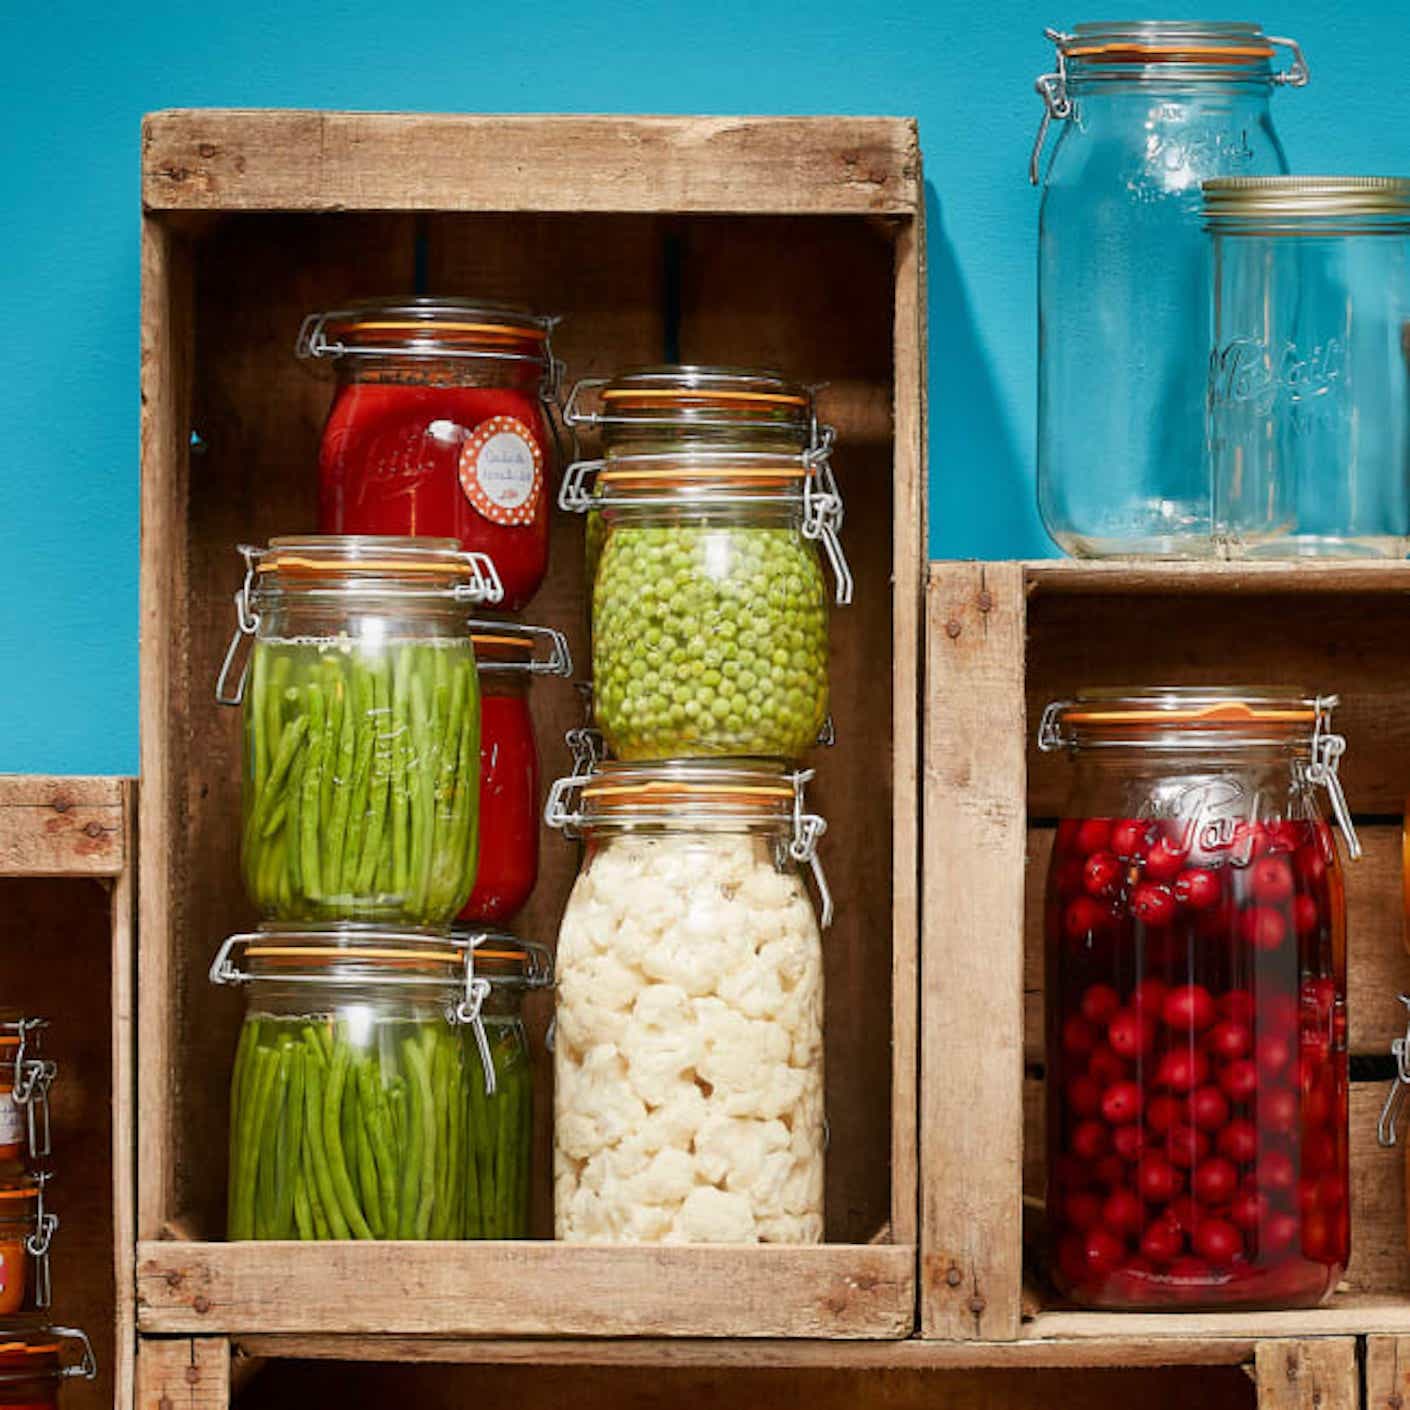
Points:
(501, 470)
(12, 1120)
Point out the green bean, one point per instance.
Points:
(309, 820)
(333, 1143)
(251, 1118)
(409, 1195)
(381, 776)
(303, 1215)
(314, 1103)
(332, 672)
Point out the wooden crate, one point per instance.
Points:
(788, 242)
(283, 1373)
(1003, 639)
(66, 954)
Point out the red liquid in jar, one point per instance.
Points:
(509, 808)
(1197, 1080)
(391, 462)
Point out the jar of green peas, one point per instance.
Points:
(361, 709)
(710, 513)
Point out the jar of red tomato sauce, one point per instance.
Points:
(35, 1362)
(1196, 1002)
(509, 655)
(441, 427)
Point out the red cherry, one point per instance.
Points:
(1198, 888)
(1209, 1108)
(1121, 1102)
(1157, 1180)
(1319, 1152)
(1104, 1067)
(1152, 904)
(1188, 1007)
(1101, 874)
(1275, 1171)
(1099, 1003)
(1311, 865)
(1184, 1212)
(1272, 1052)
(1101, 1252)
(1248, 1209)
(1130, 838)
(1215, 1181)
(1238, 1141)
(1181, 1070)
(1331, 1191)
(1228, 1040)
(1277, 1232)
(1110, 1171)
(1129, 1142)
(1185, 1146)
(1284, 836)
(1083, 1209)
(1250, 842)
(1277, 1109)
(1271, 880)
(1262, 927)
(1164, 860)
(1218, 1241)
(1306, 916)
(1318, 1099)
(1078, 1036)
(1093, 834)
(1148, 996)
(1131, 1034)
(1090, 1140)
(1123, 1213)
(1162, 1113)
(1317, 1238)
(1084, 1095)
(1238, 1080)
(1085, 917)
(1236, 1006)
(1320, 995)
(1189, 1272)
(1162, 1242)
(1307, 1196)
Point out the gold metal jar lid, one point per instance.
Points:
(1278, 200)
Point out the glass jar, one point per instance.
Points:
(688, 1053)
(361, 727)
(509, 763)
(25, 1078)
(1309, 388)
(501, 1124)
(351, 1095)
(35, 1362)
(441, 426)
(1196, 1002)
(709, 604)
(1148, 111)
(26, 1232)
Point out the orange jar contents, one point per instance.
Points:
(33, 1366)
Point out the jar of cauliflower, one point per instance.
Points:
(688, 1059)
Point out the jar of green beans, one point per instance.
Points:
(367, 1091)
(709, 516)
(361, 713)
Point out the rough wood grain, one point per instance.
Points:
(1306, 577)
(123, 1085)
(1346, 1317)
(183, 1373)
(61, 826)
(1387, 1372)
(1308, 1375)
(231, 159)
(972, 954)
(527, 1289)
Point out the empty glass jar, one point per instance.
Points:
(1309, 378)
(1147, 111)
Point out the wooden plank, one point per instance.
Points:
(232, 159)
(971, 995)
(1350, 1316)
(1136, 576)
(61, 826)
(527, 1289)
(1387, 1372)
(1378, 967)
(914, 1354)
(1308, 1375)
(123, 1091)
(183, 1373)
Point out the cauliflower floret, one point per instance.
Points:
(667, 1180)
(711, 1216)
(676, 1120)
(731, 1152)
(593, 1104)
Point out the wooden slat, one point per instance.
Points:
(1347, 1316)
(1378, 967)
(1308, 1375)
(971, 996)
(528, 1289)
(124, 1117)
(183, 1373)
(324, 161)
(1387, 1372)
(1305, 577)
(61, 826)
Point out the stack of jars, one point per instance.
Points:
(35, 1357)
(688, 1057)
(382, 1085)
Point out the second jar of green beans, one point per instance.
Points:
(710, 513)
(361, 727)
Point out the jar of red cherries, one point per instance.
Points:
(1196, 1001)
(441, 427)
(509, 655)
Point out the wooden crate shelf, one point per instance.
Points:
(796, 243)
(1005, 638)
(67, 871)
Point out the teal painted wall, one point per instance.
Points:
(80, 76)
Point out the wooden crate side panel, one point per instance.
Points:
(122, 912)
(527, 1289)
(183, 1373)
(971, 996)
(61, 826)
(1387, 1372)
(1321, 1374)
(324, 161)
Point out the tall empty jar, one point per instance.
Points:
(1309, 378)
(1147, 111)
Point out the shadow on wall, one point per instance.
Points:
(981, 488)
